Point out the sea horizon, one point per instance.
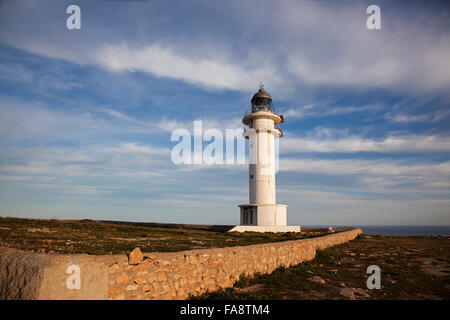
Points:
(398, 230)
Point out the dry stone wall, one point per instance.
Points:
(169, 275)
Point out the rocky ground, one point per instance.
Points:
(96, 237)
(411, 268)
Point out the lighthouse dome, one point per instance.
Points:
(261, 98)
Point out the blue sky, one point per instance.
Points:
(87, 115)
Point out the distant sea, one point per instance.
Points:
(402, 230)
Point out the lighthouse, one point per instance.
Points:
(262, 213)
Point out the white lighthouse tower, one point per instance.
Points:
(262, 213)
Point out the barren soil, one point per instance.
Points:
(411, 268)
(96, 237)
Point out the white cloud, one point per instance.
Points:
(165, 62)
(14, 72)
(52, 164)
(23, 119)
(350, 55)
(10, 178)
(133, 147)
(300, 45)
(116, 114)
(377, 181)
(314, 111)
(306, 43)
(294, 113)
(332, 206)
(71, 189)
(169, 125)
(353, 144)
(407, 118)
(371, 167)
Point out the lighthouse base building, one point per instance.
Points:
(264, 218)
(262, 213)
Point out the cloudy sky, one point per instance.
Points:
(87, 115)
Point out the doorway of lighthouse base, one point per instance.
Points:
(249, 215)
